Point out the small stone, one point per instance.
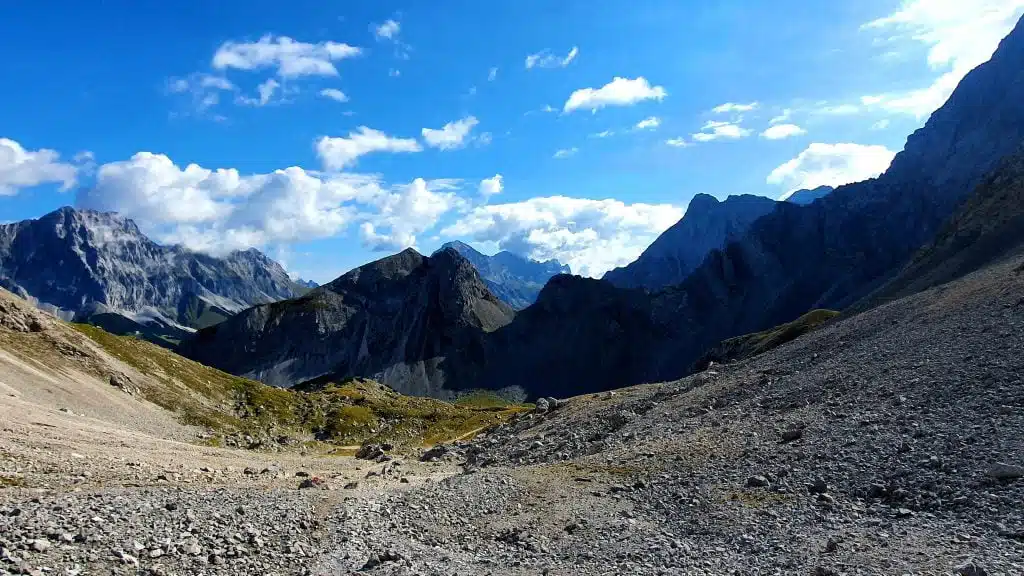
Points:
(792, 434)
(757, 481)
(817, 487)
(351, 485)
(823, 571)
(970, 569)
(904, 513)
(40, 545)
(1003, 471)
(831, 546)
(542, 406)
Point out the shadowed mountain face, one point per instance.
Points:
(85, 264)
(707, 225)
(989, 226)
(512, 278)
(415, 323)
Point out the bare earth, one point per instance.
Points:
(891, 442)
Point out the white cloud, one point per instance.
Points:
(203, 89)
(20, 168)
(565, 153)
(491, 186)
(648, 123)
(715, 130)
(784, 116)
(831, 165)
(288, 57)
(545, 59)
(407, 211)
(619, 92)
(592, 236)
(781, 131)
(729, 107)
(266, 93)
(959, 35)
(677, 142)
(394, 72)
(334, 94)
(221, 210)
(340, 152)
(492, 74)
(826, 109)
(880, 125)
(386, 31)
(603, 134)
(452, 135)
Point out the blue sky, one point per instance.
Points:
(329, 133)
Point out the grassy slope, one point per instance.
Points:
(349, 413)
(749, 345)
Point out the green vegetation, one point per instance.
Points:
(749, 345)
(347, 413)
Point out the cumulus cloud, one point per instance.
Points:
(288, 57)
(781, 131)
(603, 134)
(677, 142)
(386, 31)
(221, 210)
(565, 153)
(831, 165)
(730, 107)
(782, 117)
(648, 123)
(545, 59)
(491, 186)
(959, 37)
(340, 152)
(20, 168)
(592, 236)
(715, 130)
(452, 135)
(492, 74)
(619, 92)
(334, 94)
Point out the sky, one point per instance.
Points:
(329, 133)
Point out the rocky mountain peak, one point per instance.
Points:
(513, 278)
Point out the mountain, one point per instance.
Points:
(828, 254)
(512, 278)
(415, 323)
(306, 283)
(806, 196)
(99, 267)
(988, 227)
(707, 225)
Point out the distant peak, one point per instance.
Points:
(702, 202)
(460, 247)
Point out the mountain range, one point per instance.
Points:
(438, 324)
(514, 279)
(99, 267)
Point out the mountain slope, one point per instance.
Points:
(414, 323)
(512, 278)
(988, 227)
(82, 264)
(707, 225)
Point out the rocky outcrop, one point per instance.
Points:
(83, 264)
(512, 278)
(415, 323)
(707, 225)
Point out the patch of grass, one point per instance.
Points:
(749, 345)
(483, 399)
(11, 482)
(756, 498)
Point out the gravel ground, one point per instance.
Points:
(888, 443)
